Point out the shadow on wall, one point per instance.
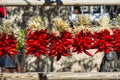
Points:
(82, 65)
(74, 63)
(34, 64)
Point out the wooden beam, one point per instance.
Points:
(84, 76)
(61, 76)
(65, 2)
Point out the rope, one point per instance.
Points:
(37, 10)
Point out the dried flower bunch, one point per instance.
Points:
(84, 19)
(35, 23)
(117, 22)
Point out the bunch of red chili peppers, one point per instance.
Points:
(7, 40)
(60, 45)
(40, 42)
(8, 45)
(36, 43)
(82, 42)
(103, 41)
(116, 40)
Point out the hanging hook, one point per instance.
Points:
(37, 11)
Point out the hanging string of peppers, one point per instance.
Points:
(116, 34)
(60, 40)
(60, 44)
(82, 40)
(8, 40)
(103, 39)
(36, 37)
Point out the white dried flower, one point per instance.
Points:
(61, 25)
(35, 23)
(6, 26)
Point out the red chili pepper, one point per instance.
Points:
(37, 54)
(8, 45)
(117, 40)
(37, 43)
(103, 41)
(60, 45)
(82, 42)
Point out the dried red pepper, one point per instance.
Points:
(103, 41)
(37, 43)
(8, 45)
(117, 40)
(82, 42)
(60, 45)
